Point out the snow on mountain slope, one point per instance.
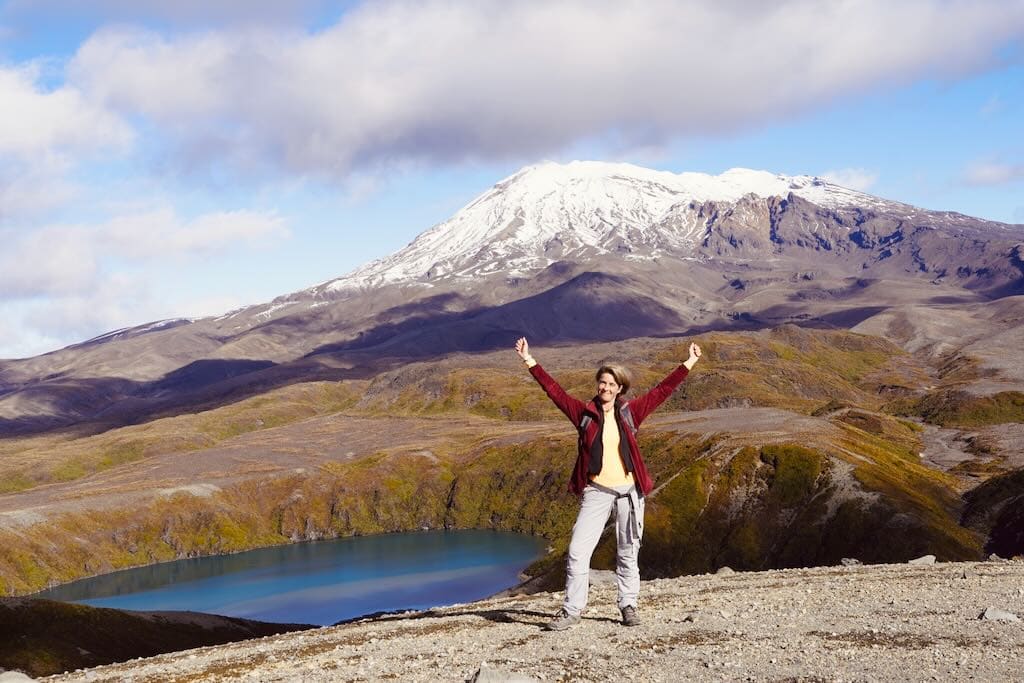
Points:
(550, 212)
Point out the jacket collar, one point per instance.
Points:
(594, 406)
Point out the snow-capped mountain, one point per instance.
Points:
(552, 212)
(567, 253)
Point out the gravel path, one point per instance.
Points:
(862, 623)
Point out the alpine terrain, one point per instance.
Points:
(861, 395)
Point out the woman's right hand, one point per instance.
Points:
(695, 354)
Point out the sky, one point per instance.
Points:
(181, 159)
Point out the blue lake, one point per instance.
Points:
(321, 582)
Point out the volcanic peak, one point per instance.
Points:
(550, 212)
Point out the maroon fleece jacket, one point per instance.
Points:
(575, 409)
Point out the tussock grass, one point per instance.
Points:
(785, 368)
(31, 462)
(961, 409)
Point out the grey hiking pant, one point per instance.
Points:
(597, 504)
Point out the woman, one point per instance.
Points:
(609, 474)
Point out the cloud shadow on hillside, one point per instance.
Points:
(591, 307)
(93, 405)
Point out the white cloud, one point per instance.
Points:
(34, 121)
(30, 189)
(160, 233)
(440, 81)
(17, 340)
(72, 282)
(52, 260)
(31, 327)
(140, 72)
(118, 301)
(992, 173)
(65, 260)
(44, 135)
(853, 178)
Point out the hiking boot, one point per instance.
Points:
(629, 616)
(562, 621)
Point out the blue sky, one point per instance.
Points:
(166, 159)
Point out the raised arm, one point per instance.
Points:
(571, 406)
(643, 406)
(523, 349)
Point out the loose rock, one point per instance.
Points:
(487, 674)
(996, 614)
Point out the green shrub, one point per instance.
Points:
(796, 472)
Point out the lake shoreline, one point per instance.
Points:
(321, 582)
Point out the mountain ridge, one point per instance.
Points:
(695, 255)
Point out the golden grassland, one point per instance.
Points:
(958, 408)
(26, 463)
(722, 502)
(787, 368)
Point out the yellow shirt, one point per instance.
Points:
(613, 470)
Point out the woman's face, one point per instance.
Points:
(607, 388)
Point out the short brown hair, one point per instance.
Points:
(618, 373)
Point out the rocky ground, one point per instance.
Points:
(909, 622)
